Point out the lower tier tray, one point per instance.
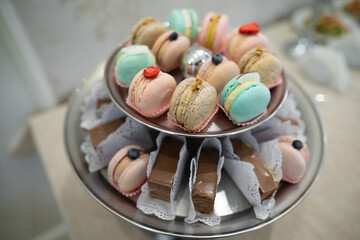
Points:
(236, 214)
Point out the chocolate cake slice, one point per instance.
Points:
(247, 154)
(161, 178)
(100, 132)
(204, 190)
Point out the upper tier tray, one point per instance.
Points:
(219, 126)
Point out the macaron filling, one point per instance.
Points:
(213, 22)
(187, 22)
(235, 94)
(235, 82)
(132, 50)
(185, 99)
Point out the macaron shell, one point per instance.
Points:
(157, 94)
(176, 97)
(293, 163)
(194, 24)
(267, 65)
(201, 107)
(205, 29)
(221, 32)
(250, 103)
(246, 43)
(134, 175)
(147, 34)
(304, 151)
(116, 159)
(219, 75)
(176, 22)
(170, 58)
(130, 65)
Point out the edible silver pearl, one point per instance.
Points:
(193, 59)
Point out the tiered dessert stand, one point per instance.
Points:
(237, 215)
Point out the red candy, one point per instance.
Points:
(250, 28)
(151, 72)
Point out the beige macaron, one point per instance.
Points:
(264, 62)
(146, 31)
(193, 104)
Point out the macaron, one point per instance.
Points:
(127, 169)
(218, 71)
(264, 62)
(129, 61)
(146, 31)
(169, 50)
(150, 92)
(214, 32)
(244, 38)
(244, 98)
(295, 155)
(184, 21)
(193, 104)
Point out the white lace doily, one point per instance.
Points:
(90, 116)
(194, 216)
(243, 175)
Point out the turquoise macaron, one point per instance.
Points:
(245, 97)
(130, 60)
(185, 21)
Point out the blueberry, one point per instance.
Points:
(217, 58)
(133, 153)
(173, 36)
(297, 144)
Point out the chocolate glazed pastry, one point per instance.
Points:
(247, 154)
(161, 178)
(204, 191)
(101, 132)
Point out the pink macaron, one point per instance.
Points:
(244, 38)
(150, 92)
(218, 71)
(169, 50)
(127, 170)
(214, 32)
(295, 156)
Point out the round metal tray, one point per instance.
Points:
(236, 214)
(219, 125)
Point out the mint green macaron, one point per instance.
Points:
(130, 60)
(185, 21)
(245, 97)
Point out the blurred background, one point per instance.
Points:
(46, 48)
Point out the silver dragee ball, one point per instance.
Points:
(193, 59)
